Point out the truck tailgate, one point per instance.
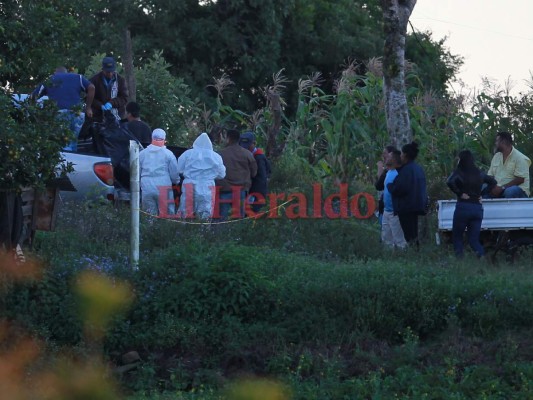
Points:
(498, 214)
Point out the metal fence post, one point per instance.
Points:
(135, 202)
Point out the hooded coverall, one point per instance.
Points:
(159, 170)
(200, 167)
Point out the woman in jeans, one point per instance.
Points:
(466, 182)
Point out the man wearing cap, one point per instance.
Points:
(159, 171)
(259, 188)
(65, 89)
(111, 91)
(241, 167)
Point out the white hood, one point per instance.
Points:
(203, 142)
(201, 162)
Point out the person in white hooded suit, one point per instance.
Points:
(159, 170)
(200, 166)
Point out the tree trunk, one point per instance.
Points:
(396, 15)
(129, 73)
(273, 148)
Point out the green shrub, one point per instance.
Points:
(318, 304)
(30, 145)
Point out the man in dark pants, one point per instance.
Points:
(259, 188)
(409, 193)
(241, 167)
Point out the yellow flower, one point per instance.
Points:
(101, 299)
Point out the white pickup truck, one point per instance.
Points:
(507, 224)
(92, 177)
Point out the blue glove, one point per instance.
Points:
(107, 106)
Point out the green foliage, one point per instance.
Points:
(333, 131)
(292, 171)
(188, 282)
(166, 101)
(343, 135)
(435, 66)
(35, 38)
(47, 307)
(246, 40)
(30, 144)
(328, 314)
(495, 110)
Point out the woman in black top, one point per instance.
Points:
(466, 182)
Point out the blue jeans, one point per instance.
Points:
(467, 216)
(75, 122)
(226, 203)
(513, 192)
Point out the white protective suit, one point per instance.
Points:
(159, 169)
(200, 167)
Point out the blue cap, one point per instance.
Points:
(109, 64)
(246, 139)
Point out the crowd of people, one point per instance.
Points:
(239, 172)
(234, 180)
(404, 194)
(403, 183)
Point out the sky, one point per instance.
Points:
(495, 37)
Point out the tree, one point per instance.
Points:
(248, 40)
(433, 63)
(34, 36)
(30, 144)
(251, 40)
(396, 15)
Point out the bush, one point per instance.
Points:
(30, 144)
(213, 304)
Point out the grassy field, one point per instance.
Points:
(271, 309)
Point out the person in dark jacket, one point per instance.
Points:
(466, 182)
(409, 193)
(110, 89)
(241, 167)
(259, 188)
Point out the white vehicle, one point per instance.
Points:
(92, 177)
(507, 224)
(93, 174)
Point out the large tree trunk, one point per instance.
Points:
(396, 15)
(273, 148)
(129, 73)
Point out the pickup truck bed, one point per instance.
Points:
(498, 214)
(84, 179)
(507, 225)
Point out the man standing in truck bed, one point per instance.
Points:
(510, 168)
(66, 90)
